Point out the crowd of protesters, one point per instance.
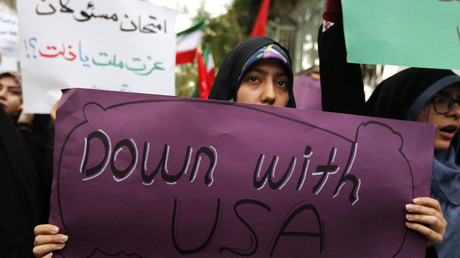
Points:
(257, 71)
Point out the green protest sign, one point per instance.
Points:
(416, 33)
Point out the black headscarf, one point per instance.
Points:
(227, 77)
(408, 90)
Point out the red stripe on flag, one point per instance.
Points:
(185, 57)
(203, 84)
(261, 21)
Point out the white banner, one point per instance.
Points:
(9, 35)
(99, 44)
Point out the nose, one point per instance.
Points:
(3, 92)
(269, 94)
(455, 110)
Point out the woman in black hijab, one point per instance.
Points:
(430, 95)
(240, 62)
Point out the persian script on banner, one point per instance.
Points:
(99, 44)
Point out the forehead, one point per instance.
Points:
(452, 89)
(9, 81)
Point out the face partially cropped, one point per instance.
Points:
(448, 124)
(10, 95)
(265, 83)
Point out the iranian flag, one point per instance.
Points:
(187, 43)
(206, 73)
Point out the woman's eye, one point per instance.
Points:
(253, 79)
(15, 92)
(441, 99)
(282, 83)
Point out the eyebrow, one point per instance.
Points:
(446, 93)
(10, 86)
(262, 71)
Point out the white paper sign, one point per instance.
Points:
(100, 44)
(9, 35)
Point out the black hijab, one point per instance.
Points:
(227, 77)
(403, 95)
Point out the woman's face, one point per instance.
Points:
(447, 124)
(265, 83)
(10, 95)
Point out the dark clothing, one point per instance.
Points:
(224, 85)
(342, 88)
(42, 140)
(21, 192)
(431, 253)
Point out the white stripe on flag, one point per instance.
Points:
(189, 41)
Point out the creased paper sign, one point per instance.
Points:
(98, 44)
(154, 176)
(415, 33)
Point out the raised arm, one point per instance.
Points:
(342, 86)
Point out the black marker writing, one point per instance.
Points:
(270, 173)
(306, 208)
(254, 235)
(123, 173)
(205, 243)
(139, 23)
(163, 165)
(120, 175)
(325, 171)
(306, 162)
(353, 197)
(64, 7)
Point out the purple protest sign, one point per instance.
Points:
(307, 92)
(155, 176)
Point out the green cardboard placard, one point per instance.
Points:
(415, 33)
